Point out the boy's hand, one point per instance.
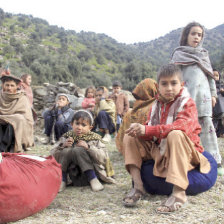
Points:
(68, 142)
(135, 130)
(83, 144)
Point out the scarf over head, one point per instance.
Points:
(176, 107)
(186, 55)
(15, 110)
(144, 94)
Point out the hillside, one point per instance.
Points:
(159, 51)
(51, 53)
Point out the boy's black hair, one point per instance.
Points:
(186, 31)
(117, 83)
(168, 71)
(83, 114)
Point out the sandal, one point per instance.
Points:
(133, 196)
(172, 204)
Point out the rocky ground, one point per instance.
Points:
(81, 205)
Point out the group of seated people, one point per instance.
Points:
(162, 126)
(106, 109)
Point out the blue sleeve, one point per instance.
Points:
(66, 117)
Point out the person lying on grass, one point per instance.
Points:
(170, 137)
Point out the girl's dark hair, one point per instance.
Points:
(24, 77)
(168, 71)
(88, 88)
(186, 31)
(83, 114)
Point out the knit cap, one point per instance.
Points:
(63, 94)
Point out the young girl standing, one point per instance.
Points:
(89, 101)
(83, 155)
(25, 85)
(198, 78)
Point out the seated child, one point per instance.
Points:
(85, 151)
(104, 112)
(57, 120)
(170, 137)
(89, 101)
(121, 102)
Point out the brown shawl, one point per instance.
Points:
(15, 110)
(144, 94)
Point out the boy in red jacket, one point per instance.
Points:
(170, 137)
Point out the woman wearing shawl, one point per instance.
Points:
(198, 78)
(144, 94)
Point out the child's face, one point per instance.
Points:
(216, 75)
(81, 126)
(28, 80)
(62, 101)
(169, 87)
(90, 93)
(116, 89)
(194, 36)
(98, 96)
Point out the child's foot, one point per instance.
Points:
(133, 197)
(96, 185)
(62, 186)
(172, 204)
(107, 138)
(220, 170)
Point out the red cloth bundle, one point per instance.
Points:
(28, 184)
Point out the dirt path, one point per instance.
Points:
(81, 205)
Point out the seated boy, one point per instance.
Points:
(170, 137)
(104, 112)
(121, 102)
(57, 120)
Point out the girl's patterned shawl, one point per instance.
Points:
(186, 55)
